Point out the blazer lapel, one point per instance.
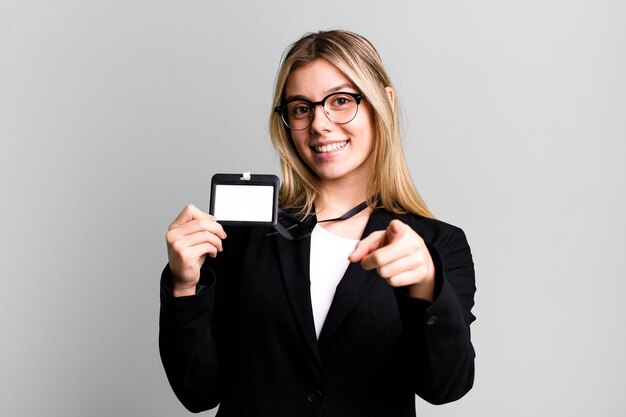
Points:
(294, 256)
(354, 283)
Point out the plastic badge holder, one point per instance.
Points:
(244, 199)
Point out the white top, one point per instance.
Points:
(329, 261)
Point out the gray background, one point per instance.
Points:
(114, 115)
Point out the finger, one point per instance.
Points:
(200, 250)
(405, 257)
(190, 212)
(401, 241)
(395, 231)
(198, 225)
(386, 254)
(398, 266)
(405, 278)
(197, 239)
(367, 245)
(187, 265)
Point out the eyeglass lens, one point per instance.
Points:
(338, 107)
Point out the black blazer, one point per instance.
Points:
(247, 340)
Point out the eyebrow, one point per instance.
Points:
(325, 92)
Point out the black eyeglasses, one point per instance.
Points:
(340, 108)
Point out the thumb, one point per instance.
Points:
(394, 231)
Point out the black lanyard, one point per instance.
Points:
(292, 228)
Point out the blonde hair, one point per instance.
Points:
(391, 187)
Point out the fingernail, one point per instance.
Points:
(212, 217)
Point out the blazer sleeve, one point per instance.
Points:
(440, 350)
(190, 330)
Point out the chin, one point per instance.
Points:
(332, 175)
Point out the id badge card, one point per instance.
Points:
(244, 199)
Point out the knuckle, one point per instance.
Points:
(169, 237)
(414, 250)
(414, 261)
(209, 236)
(423, 269)
(424, 257)
(205, 224)
(377, 258)
(383, 271)
(212, 251)
(418, 274)
(178, 247)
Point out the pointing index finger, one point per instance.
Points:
(385, 249)
(367, 246)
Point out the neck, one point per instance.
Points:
(339, 197)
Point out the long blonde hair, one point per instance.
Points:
(391, 187)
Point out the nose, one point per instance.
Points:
(321, 122)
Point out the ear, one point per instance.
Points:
(391, 95)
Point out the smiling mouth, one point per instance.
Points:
(332, 147)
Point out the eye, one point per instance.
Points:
(341, 100)
(299, 110)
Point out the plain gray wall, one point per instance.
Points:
(114, 115)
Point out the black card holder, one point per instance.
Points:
(244, 199)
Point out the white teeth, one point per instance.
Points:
(331, 147)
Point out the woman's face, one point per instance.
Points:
(333, 151)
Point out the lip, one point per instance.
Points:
(329, 147)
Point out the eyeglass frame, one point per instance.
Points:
(356, 96)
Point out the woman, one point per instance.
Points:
(333, 317)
